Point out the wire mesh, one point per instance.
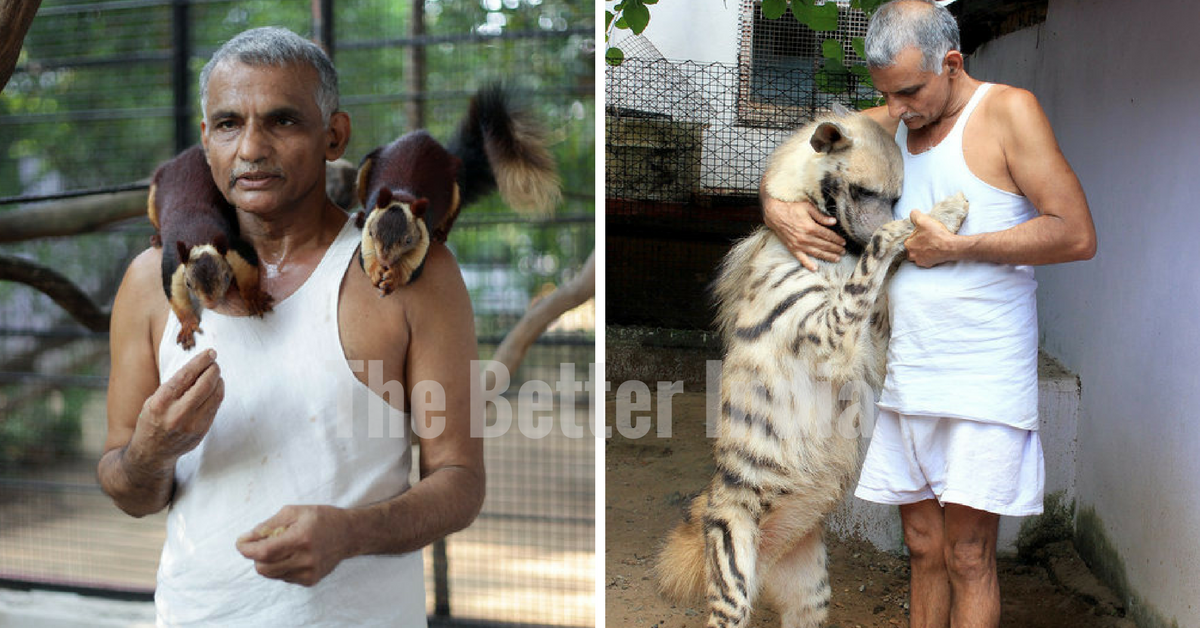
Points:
(93, 103)
(685, 146)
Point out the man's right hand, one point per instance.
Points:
(178, 415)
(804, 230)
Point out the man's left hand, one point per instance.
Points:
(300, 544)
(931, 243)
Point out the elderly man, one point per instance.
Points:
(286, 474)
(956, 443)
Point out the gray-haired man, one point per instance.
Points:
(956, 443)
(257, 440)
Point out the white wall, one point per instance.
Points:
(694, 30)
(1120, 86)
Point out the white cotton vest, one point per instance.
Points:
(295, 427)
(964, 334)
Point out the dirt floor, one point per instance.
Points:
(649, 479)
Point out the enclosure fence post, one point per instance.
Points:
(441, 579)
(415, 109)
(322, 24)
(181, 53)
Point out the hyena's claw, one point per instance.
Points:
(951, 211)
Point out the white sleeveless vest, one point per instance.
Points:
(964, 334)
(295, 427)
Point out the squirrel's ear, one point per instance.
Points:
(418, 207)
(221, 244)
(182, 251)
(384, 199)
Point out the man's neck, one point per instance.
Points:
(281, 236)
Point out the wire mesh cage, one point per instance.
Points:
(686, 144)
(105, 91)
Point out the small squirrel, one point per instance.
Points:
(202, 254)
(412, 189)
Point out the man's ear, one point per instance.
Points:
(952, 63)
(337, 135)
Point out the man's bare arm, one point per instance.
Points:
(302, 544)
(150, 426)
(450, 494)
(1063, 232)
(802, 228)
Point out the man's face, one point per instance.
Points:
(264, 136)
(916, 96)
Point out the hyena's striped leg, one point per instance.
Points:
(798, 583)
(730, 546)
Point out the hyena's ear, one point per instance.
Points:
(839, 110)
(829, 138)
(221, 244)
(418, 207)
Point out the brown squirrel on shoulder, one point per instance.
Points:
(202, 253)
(412, 189)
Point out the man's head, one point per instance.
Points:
(271, 46)
(912, 53)
(269, 99)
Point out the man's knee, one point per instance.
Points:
(924, 532)
(970, 542)
(970, 559)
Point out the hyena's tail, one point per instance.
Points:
(679, 567)
(503, 148)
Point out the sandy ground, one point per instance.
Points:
(649, 479)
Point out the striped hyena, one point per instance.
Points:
(795, 341)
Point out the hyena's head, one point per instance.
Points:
(860, 173)
(846, 165)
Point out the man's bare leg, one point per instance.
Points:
(971, 562)
(925, 535)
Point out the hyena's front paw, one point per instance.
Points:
(951, 211)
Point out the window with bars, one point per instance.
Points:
(780, 63)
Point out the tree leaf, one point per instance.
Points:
(774, 9)
(832, 49)
(614, 56)
(822, 18)
(833, 77)
(868, 6)
(860, 47)
(621, 23)
(637, 16)
(608, 19)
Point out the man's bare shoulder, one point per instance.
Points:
(1012, 105)
(440, 286)
(143, 280)
(437, 297)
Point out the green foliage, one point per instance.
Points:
(834, 77)
(631, 15)
(42, 429)
(820, 18)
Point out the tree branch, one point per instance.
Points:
(582, 287)
(15, 18)
(48, 281)
(71, 216)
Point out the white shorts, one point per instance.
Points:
(985, 466)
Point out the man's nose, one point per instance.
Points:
(895, 108)
(255, 144)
